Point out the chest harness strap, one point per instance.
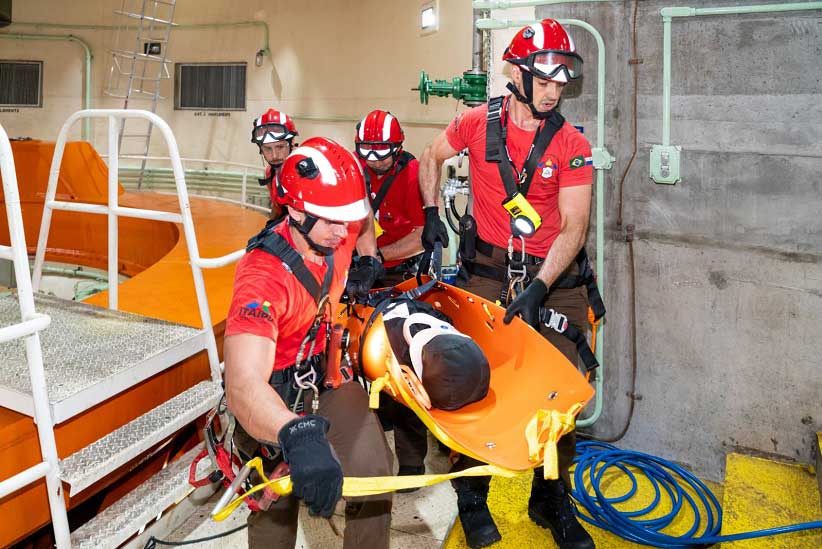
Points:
(307, 367)
(524, 218)
(403, 160)
(496, 151)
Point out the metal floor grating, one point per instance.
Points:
(89, 354)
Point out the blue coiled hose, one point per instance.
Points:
(594, 459)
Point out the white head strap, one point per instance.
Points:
(421, 338)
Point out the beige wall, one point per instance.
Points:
(335, 58)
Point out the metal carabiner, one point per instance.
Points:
(516, 272)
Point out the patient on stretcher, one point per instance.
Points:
(451, 366)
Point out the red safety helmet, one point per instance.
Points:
(378, 136)
(323, 179)
(545, 50)
(273, 126)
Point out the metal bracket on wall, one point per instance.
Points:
(665, 164)
(602, 158)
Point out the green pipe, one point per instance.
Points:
(195, 171)
(70, 37)
(666, 80)
(86, 133)
(506, 4)
(602, 161)
(74, 273)
(733, 10)
(332, 118)
(667, 17)
(266, 50)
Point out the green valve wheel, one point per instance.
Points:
(470, 88)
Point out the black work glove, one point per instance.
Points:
(434, 229)
(527, 304)
(316, 473)
(362, 275)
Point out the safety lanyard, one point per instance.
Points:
(402, 162)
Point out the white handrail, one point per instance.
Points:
(25, 328)
(24, 478)
(192, 160)
(29, 329)
(243, 187)
(113, 211)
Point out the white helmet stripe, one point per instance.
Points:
(326, 170)
(539, 36)
(571, 41)
(349, 212)
(386, 127)
(258, 121)
(362, 128)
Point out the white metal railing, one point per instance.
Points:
(29, 329)
(245, 169)
(113, 211)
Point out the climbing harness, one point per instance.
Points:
(524, 218)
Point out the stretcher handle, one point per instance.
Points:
(333, 375)
(431, 263)
(228, 495)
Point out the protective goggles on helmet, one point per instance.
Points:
(268, 133)
(549, 64)
(376, 150)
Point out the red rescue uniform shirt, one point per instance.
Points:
(401, 209)
(269, 301)
(566, 163)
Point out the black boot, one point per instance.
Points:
(472, 503)
(551, 507)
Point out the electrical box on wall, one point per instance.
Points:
(152, 48)
(665, 166)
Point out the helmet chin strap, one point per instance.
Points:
(304, 228)
(528, 98)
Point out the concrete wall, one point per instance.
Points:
(729, 261)
(330, 59)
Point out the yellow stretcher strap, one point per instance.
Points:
(376, 387)
(544, 431)
(361, 486)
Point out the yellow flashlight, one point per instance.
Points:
(524, 218)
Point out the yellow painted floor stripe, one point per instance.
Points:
(508, 502)
(761, 493)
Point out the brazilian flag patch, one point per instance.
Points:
(577, 162)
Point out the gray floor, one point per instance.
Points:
(420, 520)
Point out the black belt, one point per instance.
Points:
(487, 249)
(565, 281)
(283, 380)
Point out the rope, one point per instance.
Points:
(594, 459)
